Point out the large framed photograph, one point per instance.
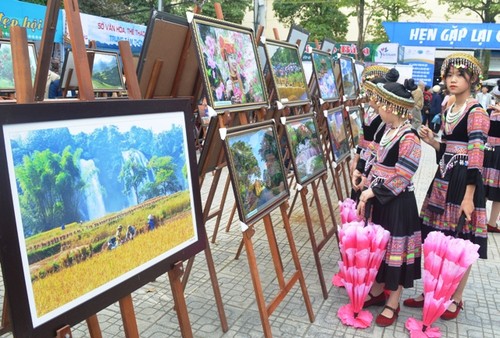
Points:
(98, 199)
(305, 147)
(165, 29)
(298, 33)
(337, 133)
(231, 70)
(107, 73)
(356, 124)
(7, 69)
(325, 77)
(359, 68)
(349, 81)
(287, 72)
(256, 168)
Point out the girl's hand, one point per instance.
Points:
(365, 196)
(467, 207)
(426, 134)
(361, 183)
(356, 176)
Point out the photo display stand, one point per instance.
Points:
(25, 94)
(164, 75)
(309, 164)
(256, 201)
(326, 93)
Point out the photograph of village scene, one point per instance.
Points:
(97, 201)
(257, 171)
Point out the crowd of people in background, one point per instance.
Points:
(464, 130)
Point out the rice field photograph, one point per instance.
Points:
(97, 201)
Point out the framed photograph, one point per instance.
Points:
(325, 77)
(230, 66)
(305, 147)
(287, 72)
(359, 67)
(337, 133)
(356, 124)
(298, 33)
(98, 199)
(256, 168)
(328, 45)
(107, 73)
(165, 29)
(349, 81)
(7, 69)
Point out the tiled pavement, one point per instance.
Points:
(156, 317)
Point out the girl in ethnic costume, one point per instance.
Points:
(457, 186)
(371, 123)
(391, 194)
(491, 171)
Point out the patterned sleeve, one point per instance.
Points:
(478, 125)
(406, 166)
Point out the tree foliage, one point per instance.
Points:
(320, 19)
(50, 187)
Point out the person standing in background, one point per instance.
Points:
(484, 97)
(418, 97)
(435, 108)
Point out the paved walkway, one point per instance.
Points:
(156, 317)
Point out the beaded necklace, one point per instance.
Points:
(453, 118)
(387, 142)
(370, 115)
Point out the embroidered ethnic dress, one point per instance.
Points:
(460, 159)
(395, 208)
(491, 170)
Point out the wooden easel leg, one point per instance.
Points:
(128, 317)
(254, 272)
(64, 332)
(6, 324)
(312, 238)
(275, 254)
(221, 208)
(296, 261)
(215, 287)
(231, 216)
(93, 326)
(293, 204)
(174, 275)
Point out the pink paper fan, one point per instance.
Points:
(347, 316)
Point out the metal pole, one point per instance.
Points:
(160, 5)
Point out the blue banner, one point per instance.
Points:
(445, 35)
(30, 16)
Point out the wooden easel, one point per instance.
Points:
(151, 88)
(25, 94)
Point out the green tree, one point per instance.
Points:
(487, 10)
(322, 19)
(50, 186)
(165, 179)
(391, 10)
(133, 174)
(245, 164)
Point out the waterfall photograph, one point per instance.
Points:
(98, 200)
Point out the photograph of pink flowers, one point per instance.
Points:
(323, 69)
(231, 70)
(288, 73)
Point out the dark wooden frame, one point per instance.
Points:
(198, 21)
(234, 174)
(328, 57)
(161, 54)
(298, 33)
(293, 156)
(292, 47)
(69, 80)
(31, 47)
(11, 255)
(330, 112)
(352, 72)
